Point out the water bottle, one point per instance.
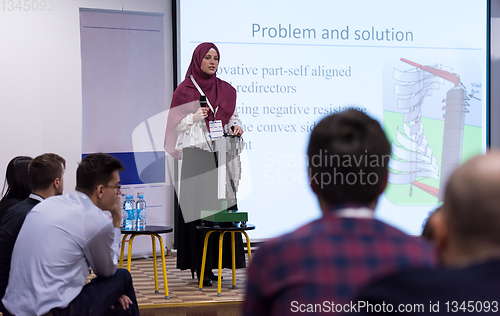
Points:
(129, 219)
(141, 212)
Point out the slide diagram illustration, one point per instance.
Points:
(425, 151)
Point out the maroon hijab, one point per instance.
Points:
(186, 97)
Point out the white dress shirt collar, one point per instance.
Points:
(36, 197)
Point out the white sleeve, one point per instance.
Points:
(186, 123)
(102, 251)
(191, 134)
(234, 120)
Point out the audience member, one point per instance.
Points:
(61, 237)
(46, 178)
(16, 182)
(329, 259)
(467, 237)
(427, 232)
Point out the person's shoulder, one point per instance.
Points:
(11, 202)
(477, 282)
(186, 86)
(407, 250)
(407, 286)
(271, 246)
(21, 204)
(483, 272)
(185, 83)
(25, 206)
(392, 232)
(75, 202)
(15, 216)
(7, 204)
(19, 209)
(365, 227)
(307, 232)
(51, 203)
(82, 202)
(185, 92)
(415, 277)
(82, 207)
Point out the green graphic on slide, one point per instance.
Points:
(432, 116)
(400, 193)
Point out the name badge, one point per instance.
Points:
(216, 130)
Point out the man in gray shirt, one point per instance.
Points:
(61, 237)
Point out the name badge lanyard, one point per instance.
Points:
(203, 94)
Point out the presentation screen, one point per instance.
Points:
(417, 67)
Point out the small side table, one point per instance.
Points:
(152, 231)
(222, 231)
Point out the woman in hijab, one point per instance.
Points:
(187, 138)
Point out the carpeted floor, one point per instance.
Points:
(195, 309)
(184, 295)
(182, 288)
(185, 298)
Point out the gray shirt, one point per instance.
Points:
(60, 238)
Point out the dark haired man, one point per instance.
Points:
(319, 267)
(61, 237)
(45, 174)
(467, 237)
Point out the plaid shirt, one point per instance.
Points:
(327, 260)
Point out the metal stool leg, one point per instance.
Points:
(219, 285)
(165, 282)
(248, 247)
(233, 259)
(129, 257)
(204, 259)
(155, 268)
(122, 250)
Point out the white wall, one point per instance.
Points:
(40, 78)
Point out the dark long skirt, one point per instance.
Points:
(198, 191)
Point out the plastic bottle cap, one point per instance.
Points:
(141, 196)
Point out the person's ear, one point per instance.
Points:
(314, 187)
(312, 183)
(440, 231)
(55, 183)
(383, 183)
(99, 191)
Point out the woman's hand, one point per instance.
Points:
(200, 114)
(238, 130)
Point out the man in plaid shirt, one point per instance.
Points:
(319, 267)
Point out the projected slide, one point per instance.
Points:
(417, 67)
(427, 127)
